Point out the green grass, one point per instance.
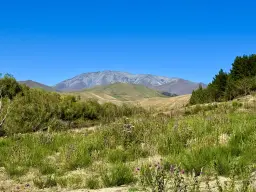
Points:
(92, 183)
(219, 139)
(117, 175)
(125, 92)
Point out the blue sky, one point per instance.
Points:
(49, 40)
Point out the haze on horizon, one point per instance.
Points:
(51, 41)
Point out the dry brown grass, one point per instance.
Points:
(166, 104)
(158, 103)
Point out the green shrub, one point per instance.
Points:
(92, 183)
(34, 111)
(116, 156)
(47, 168)
(235, 104)
(62, 182)
(75, 156)
(135, 152)
(9, 87)
(118, 175)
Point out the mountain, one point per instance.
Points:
(89, 80)
(122, 92)
(179, 87)
(34, 84)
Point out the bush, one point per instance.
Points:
(34, 111)
(92, 183)
(116, 156)
(118, 175)
(235, 104)
(9, 87)
(76, 156)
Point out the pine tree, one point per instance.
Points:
(218, 85)
(243, 67)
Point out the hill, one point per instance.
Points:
(34, 84)
(179, 87)
(89, 80)
(119, 92)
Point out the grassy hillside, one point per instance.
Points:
(119, 92)
(165, 104)
(33, 84)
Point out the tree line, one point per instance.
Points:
(241, 80)
(24, 109)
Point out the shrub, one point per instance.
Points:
(116, 156)
(92, 183)
(118, 175)
(75, 156)
(9, 87)
(33, 111)
(235, 104)
(47, 168)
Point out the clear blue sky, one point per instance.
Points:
(50, 40)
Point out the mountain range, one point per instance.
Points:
(102, 78)
(164, 84)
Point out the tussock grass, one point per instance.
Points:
(220, 139)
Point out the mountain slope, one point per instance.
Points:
(89, 80)
(179, 87)
(119, 92)
(34, 84)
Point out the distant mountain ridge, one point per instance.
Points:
(34, 84)
(165, 84)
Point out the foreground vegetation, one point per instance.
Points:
(207, 141)
(59, 142)
(31, 110)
